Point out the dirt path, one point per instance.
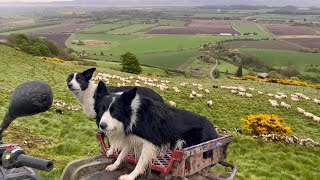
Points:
(212, 69)
(266, 31)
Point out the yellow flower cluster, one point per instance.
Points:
(53, 59)
(280, 81)
(260, 124)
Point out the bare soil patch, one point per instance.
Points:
(306, 42)
(92, 43)
(283, 30)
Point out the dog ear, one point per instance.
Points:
(88, 73)
(101, 91)
(128, 96)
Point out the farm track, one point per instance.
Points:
(186, 64)
(212, 69)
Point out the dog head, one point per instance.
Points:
(100, 100)
(119, 112)
(80, 81)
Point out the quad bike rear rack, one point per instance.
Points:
(187, 163)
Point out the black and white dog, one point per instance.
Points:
(139, 122)
(84, 90)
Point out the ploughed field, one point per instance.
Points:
(286, 30)
(305, 42)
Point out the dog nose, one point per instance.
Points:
(103, 125)
(69, 85)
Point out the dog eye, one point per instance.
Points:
(78, 79)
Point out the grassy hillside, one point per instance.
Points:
(278, 57)
(71, 135)
(250, 28)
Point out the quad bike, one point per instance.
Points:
(27, 99)
(35, 97)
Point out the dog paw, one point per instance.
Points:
(109, 152)
(126, 177)
(111, 167)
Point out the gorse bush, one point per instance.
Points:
(263, 124)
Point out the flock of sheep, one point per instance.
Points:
(163, 85)
(241, 91)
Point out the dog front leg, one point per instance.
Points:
(148, 152)
(120, 158)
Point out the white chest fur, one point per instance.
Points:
(86, 99)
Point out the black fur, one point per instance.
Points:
(159, 123)
(82, 78)
(103, 91)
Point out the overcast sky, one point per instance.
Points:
(31, 0)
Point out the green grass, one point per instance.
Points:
(133, 28)
(117, 66)
(224, 66)
(205, 67)
(31, 29)
(245, 28)
(166, 59)
(142, 43)
(73, 135)
(277, 57)
(103, 28)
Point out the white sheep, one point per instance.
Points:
(274, 103)
(199, 95)
(209, 103)
(248, 95)
(242, 93)
(260, 93)
(317, 101)
(177, 90)
(294, 99)
(191, 96)
(207, 91)
(234, 92)
(194, 84)
(200, 88)
(194, 93)
(284, 105)
(137, 84)
(316, 118)
(270, 95)
(173, 104)
(251, 89)
(278, 96)
(308, 115)
(300, 110)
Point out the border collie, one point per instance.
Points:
(85, 91)
(138, 122)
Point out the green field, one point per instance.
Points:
(142, 43)
(166, 59)
(225, 66)
(117, 66)
(132, 29)
(276, 57)
(28, 30)
(245, 28)
(71, 135)
(103, 28)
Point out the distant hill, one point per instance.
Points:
(306, 3)
(204, 2)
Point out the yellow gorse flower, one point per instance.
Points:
(280, 81)
(260, 124)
